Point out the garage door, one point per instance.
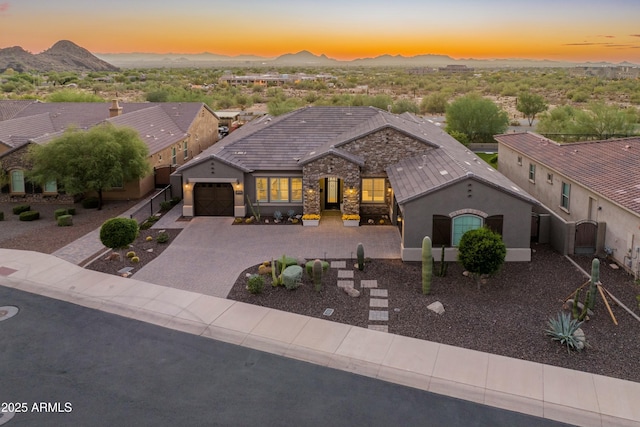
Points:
(213, 199)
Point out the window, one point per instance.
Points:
(261, 190)
(462, 224)
(296, 189)
(174, 160)
(566, 192)
(373, 190)
(520, 160)
(17, 181)
(550, 178)
(532, 172)
(278, 189)
(185, 149)
(51, 186)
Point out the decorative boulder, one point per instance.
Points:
(436, 307)
(351, 291)
(291, 276)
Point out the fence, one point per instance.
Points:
(152, 206)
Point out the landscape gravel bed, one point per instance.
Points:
(506, 316)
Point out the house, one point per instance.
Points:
(590, 189)
(173, 132)
(358, 160)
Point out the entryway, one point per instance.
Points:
(332, 193)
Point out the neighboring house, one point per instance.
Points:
(593, 187)
(359, 160)
(173, 132)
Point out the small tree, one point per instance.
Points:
(94, 160)
(531, 104)
(477, 117)
(481, 251)
(118, 233)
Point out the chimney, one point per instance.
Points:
(116, 109)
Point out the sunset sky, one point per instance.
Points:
(575, 30)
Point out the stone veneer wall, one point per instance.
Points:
(329, 166)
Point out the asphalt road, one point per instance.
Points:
(83, 367)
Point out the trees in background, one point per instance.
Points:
(94, 160)
(477, 118)
(531, 104)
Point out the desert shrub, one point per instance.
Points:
(255, 284)
(148, 238)
(175, 200)
(238, 220)
(117, 233)
(291, 277)
(29, 216)
(17, 210)
(65, 220)
(71, 211)
(563, 329)
(135, 259)
(90, 203)
(60, 212)
(166, 205)
(131, 254)
(162, 238)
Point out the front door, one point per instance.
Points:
(332, 193)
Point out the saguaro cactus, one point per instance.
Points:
(427, 265)
(317, 275)
(595, 279)
(360, 254)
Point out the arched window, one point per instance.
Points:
(462, 224)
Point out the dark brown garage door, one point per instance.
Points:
(213, 199)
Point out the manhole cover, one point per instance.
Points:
(6, 416)
(7, 312)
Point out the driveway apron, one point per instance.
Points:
(210, 253)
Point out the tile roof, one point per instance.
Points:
(610, 168)
(10, 108)
(159, 124)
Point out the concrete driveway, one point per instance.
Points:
(210, 253)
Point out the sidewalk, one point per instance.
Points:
(532, 388)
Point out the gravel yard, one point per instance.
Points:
(507, 316)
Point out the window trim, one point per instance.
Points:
(174, 156)
(21, 180)
(54, 184)
(267, 190)
(532, 172)
(185, 150)
(565, 199)
(373, 190)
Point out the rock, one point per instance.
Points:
(113, 256)
(302, 262)
(466, 273)
(266, 221)
(150, 250)
(351, 291)
(247, 275)
(436, 307)
(370, 221)
(578, 334)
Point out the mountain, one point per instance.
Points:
(62, 56)
(304, 58)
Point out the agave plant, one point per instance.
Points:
(563, 329)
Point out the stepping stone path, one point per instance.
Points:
(378, 298)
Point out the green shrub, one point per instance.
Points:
(17, 210)
(65, 220)
(255, 284)
(175, 200)
(90, 203)
(71, 211)
(59, 212)
(166, 205)
(563, 329)
(162, 238)
(135, 259)
(309, 267)
(117, 233)
(29, 216)
(481, 251)
(291, 277)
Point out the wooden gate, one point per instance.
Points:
(535, 226)
(162, 175)
(586, 236)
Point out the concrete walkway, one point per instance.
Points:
(546, 391)
(210, 253)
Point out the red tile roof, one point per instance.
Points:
(610, 168)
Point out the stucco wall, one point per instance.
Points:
(418, 213)
(622, 225)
